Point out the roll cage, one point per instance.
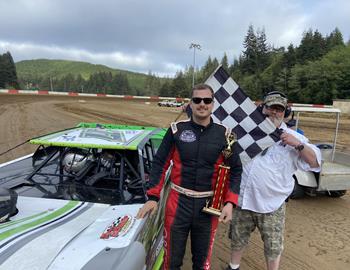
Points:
(113, 176)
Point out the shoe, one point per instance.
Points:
(229, 268)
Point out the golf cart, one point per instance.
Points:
(334, 178)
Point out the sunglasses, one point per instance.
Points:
(275, 108)
(206, 100)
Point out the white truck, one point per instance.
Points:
(334, 178)
(170, 103)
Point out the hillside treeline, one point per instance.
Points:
(98, 82)
(8, 74)
(64, 75)
(316, 71)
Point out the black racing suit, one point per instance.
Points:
(196, 152)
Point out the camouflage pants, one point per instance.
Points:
(270, 225)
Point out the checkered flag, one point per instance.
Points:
(236, 110)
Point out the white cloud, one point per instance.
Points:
(154, 35)
(139, 62)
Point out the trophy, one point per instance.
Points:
(223, 173)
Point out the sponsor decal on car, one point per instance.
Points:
(118, 228)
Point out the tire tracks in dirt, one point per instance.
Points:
(101, 116)
(317, 229)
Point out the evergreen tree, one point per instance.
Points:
(207, 69)
(262, 56)
(152, 84)
(312, 47)
(235, 71)
(334, 39)
(250, 44)
(215, 64)
(179, 88)
(319, 46)
(165, 89)
(3, 73)
(305, 47)
(224, 62)
(80, 83)
(69, 83)
(8, 74)
(289, 58)
(121, 84)
(282, 82)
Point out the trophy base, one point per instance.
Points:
(212, 211)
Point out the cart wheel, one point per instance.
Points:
(298, 191)
(336, 193)
(324, 146)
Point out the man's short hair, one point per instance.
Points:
(203, 86)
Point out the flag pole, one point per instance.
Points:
(178, 116)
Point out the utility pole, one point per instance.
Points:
(51, 86)
(194, 46)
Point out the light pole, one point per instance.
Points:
(194, 46)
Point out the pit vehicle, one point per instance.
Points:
(164, 103)
(334, 178)
(170, 103)
(78, 196)
(175, 103)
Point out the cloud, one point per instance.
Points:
(136, 62)
(155, 35)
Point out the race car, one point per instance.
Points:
(72, 203)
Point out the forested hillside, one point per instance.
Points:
(63, 75)
(316, 71)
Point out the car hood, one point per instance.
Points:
(60, 234)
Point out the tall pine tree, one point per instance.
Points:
(250, 53)
(334, 39)
(262, 56)
(8, 73)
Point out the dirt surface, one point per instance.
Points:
(317, 232)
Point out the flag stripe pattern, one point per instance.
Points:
(234, 109)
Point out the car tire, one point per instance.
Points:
(336, 193)
(298, 191)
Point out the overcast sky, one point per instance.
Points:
(155, 35)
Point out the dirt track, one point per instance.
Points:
(317, 229)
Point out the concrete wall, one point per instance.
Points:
(343, 105)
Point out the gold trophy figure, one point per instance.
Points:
(219, 189)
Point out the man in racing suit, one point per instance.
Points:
(195, 148)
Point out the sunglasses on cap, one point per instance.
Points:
(197, 100)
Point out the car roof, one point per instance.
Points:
(106, 136)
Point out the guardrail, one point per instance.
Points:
(153, 98)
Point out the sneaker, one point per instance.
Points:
(229, 268)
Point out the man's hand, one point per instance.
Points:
(149, 206)
(289, 139)
(226, 213)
